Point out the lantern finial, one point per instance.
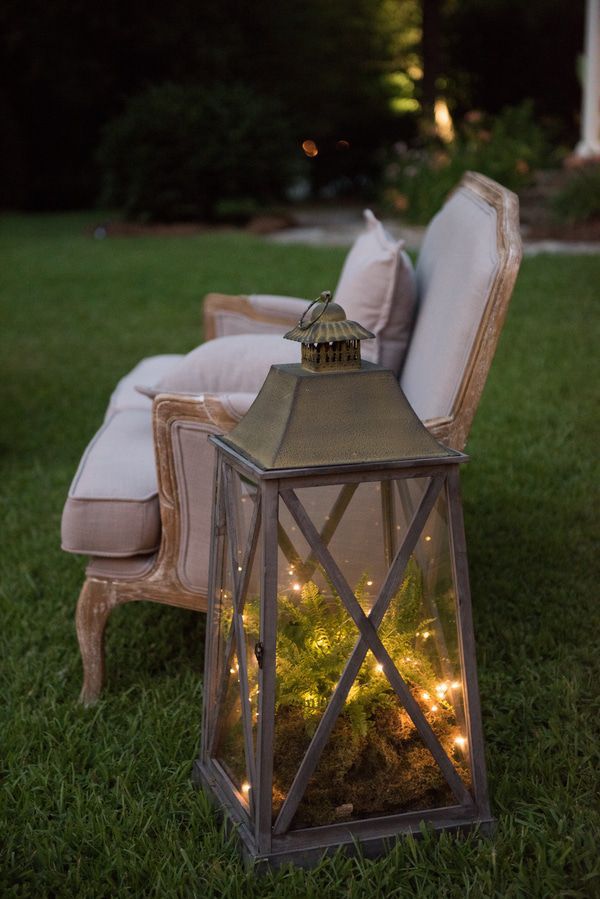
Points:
(330, 342)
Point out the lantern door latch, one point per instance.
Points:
(259, 652)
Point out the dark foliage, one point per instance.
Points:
(177, 151)
(70, 67)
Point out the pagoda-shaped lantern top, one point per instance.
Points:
(330, 342)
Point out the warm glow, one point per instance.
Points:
(443, 121)
(425, 696)
(297, 587)
(239, 567)
(379, 668)
(232, 670)
(461, 742)
(434, 708)
(455, 684)
(426, 635)
(310, 148)
(427, 538)
(246, 787)
(369, 583)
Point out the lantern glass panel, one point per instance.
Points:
(223, 613)
(230, 744)
(238, 694)
(375, 761)
(420, 629)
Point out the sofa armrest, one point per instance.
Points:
(185, 462)
(256, 314)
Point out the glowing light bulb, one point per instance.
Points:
(239, 567)
(434, 708)
(425, 696)
(369, 583)
(232, 670)
(461, 742)
(297, 587)
(379, 668)
(426, 635)
(455, 684)
(246, 787)
(441, 690)
(427, 538)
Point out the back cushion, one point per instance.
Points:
(455, 272)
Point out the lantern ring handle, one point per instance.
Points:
(325, 298)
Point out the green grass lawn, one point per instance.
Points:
(98, 802)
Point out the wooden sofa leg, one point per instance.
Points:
(96, 601)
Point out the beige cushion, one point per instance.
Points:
(148, 371)
(235, 364)
(112, 506)
(377, 289)
(456, 268)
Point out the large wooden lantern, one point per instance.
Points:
(341, 699)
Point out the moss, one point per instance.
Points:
(389, 770)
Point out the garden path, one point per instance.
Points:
(340, 226)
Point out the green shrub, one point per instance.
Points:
(579, 200)
(508, 147)
(178, 151)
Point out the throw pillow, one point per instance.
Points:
(235, 364)
(377, 289)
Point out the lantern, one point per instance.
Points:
(341, 699)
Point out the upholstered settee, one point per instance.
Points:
(140, 503)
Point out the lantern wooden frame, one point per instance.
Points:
(271, 841)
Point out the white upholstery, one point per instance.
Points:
(457, 263)
(148, 371)
(377, 289)
(229, 323)
(112, 506)
(275, 304)
(235, 364)
(112, 510)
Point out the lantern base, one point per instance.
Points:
(370, 838)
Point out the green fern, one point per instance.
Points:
(316, 636)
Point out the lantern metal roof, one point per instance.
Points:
(355, 413)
